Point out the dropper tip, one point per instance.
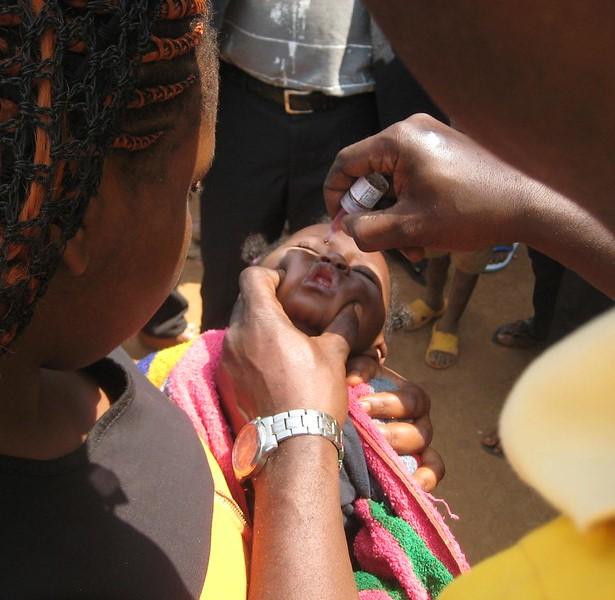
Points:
(336, 225)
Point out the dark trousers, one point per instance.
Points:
(269, 169)
(562, 300)
(547, 278)
(577, 303)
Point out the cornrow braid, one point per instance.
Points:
(160, 93)
(172, 48)
(133, 143)
(68, 72)
(179, 9)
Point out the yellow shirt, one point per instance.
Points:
(554, 562)
(228, 565)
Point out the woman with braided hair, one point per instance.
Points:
(106, 118)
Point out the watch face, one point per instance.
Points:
(245, 451)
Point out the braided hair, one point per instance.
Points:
(72, 74)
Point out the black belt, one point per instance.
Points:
(294, 102)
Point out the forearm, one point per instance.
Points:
(567, 233)
(299, 549)
(509, 76)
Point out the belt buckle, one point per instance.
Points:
(287, 102)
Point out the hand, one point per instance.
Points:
(412, 431)
(268, 366)
(451, 193)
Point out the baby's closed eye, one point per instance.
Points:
(367, 273)
(305, 246)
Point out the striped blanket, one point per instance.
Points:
(403, 548)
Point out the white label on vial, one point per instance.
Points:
(361, 196)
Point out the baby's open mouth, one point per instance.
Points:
(323, 276)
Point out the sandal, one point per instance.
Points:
(420, 314)
(519, 334)
(161, 343)
(507, 253)
(445, 343)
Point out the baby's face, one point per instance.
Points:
(321, 279)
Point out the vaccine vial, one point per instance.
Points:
(363, 195)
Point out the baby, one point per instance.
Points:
(378, 499)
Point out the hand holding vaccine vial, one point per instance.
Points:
(363, 195)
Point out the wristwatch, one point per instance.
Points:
(260, 438)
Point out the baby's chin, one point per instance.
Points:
(310, 324)
(314, 329)
(306, 317)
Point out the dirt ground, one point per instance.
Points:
(494, 507)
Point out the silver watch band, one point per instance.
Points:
(305, 421)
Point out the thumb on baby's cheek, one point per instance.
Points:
(342, 332)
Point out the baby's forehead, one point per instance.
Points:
(320, 230)
(339, 242)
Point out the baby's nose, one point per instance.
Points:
(337, 260)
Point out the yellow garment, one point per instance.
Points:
(554, 562)
(228, 556)
(164, 361)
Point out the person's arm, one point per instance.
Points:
(453, 194)
(299, 547)
(532, 81)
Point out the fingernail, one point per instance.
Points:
(365, 406)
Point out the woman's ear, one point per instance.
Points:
(76, 256)
(77, 251)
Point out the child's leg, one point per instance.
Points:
(442, 356)
(462, 286)
(436, 275)
(444, 345)
(424, 310)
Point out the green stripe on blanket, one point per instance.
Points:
(428, 569)
(366, 581)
